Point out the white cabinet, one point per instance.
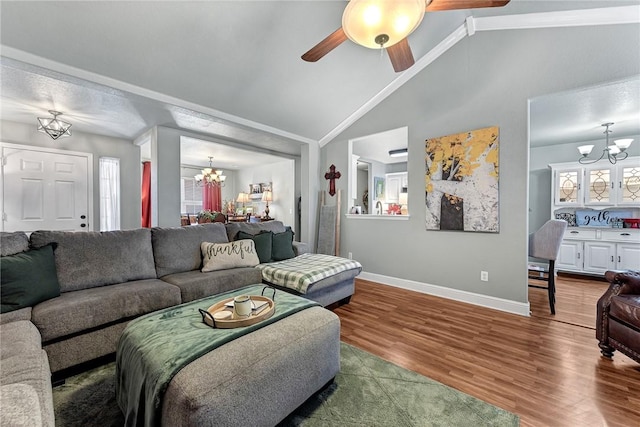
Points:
(567, 186)
(628, 193)
(599, 257)
(602, 256)
(394, 182)
(627, 256)
(570, 256)
(597, 185)
(600, 187)
(597, 250)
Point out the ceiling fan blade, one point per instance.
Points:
(400, 55)
(332, 41)
(463, 4)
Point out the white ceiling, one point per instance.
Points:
(230, 69)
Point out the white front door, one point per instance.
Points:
(45, 189)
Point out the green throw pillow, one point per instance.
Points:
(262, 242)
(28, 278)
(282, 246)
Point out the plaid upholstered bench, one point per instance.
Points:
(325, 279)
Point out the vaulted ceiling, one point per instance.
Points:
(226, 68)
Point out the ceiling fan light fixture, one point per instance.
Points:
(367, 22)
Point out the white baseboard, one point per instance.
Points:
(508, 306)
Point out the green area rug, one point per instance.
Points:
(368, 391)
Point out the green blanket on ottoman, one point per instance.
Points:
(153, 348)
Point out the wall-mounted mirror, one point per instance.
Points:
(378, 173)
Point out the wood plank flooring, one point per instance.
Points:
(547, 369)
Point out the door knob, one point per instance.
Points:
(83, 225)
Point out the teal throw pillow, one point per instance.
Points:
(28, 278)
(282, 246)
(262, 242)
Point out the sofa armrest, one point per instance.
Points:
(300, 248)
(628, 281)
(620, 283)
(16, 315)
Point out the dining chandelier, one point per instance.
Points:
(613, 152)
(209, 176)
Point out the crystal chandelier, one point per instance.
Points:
(209, 176)
(53, 126)
(613, 152)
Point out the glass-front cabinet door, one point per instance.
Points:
(629, 185)
(599, 185)
(568, 187)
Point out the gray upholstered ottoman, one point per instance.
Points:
(259, 378)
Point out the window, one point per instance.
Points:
(190, 196)
(109, 194)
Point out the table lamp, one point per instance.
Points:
(267, 196)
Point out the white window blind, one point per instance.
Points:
(190, 196)
(109, 194)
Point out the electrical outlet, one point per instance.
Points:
(484, 276)
(350, 255)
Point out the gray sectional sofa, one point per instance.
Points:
(105, 280)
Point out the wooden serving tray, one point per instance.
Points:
(265, 313)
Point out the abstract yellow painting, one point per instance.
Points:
(461, 181)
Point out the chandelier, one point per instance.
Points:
(209, 176)
(53, 126)
(613, 152)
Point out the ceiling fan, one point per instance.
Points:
(385, 24)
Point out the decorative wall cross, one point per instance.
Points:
(332, 175)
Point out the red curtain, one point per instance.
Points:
(146, 194)
(211, 198)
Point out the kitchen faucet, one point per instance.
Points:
(378, 208)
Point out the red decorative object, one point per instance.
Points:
(332, 175)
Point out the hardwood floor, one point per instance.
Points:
(546, 369)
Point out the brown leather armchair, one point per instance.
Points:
(618, 321)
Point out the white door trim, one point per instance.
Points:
(89, 157)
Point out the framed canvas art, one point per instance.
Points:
(461, 181)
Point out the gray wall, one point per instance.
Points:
(540, 174)
(484, 80)
(281, 175)
(99, 146)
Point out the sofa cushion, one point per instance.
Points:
(89, 259)
(262, 241)
(13, 242)
(222, 256)
(20, 405)
(253, 228)
(23, 336)
(282, 245)
(177, 249)
(195, 285)
(28, 278)
(82, 310)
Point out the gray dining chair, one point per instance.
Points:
(545, 244)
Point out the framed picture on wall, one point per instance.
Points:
(265, 186)
(378, 185)
(255, 188)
